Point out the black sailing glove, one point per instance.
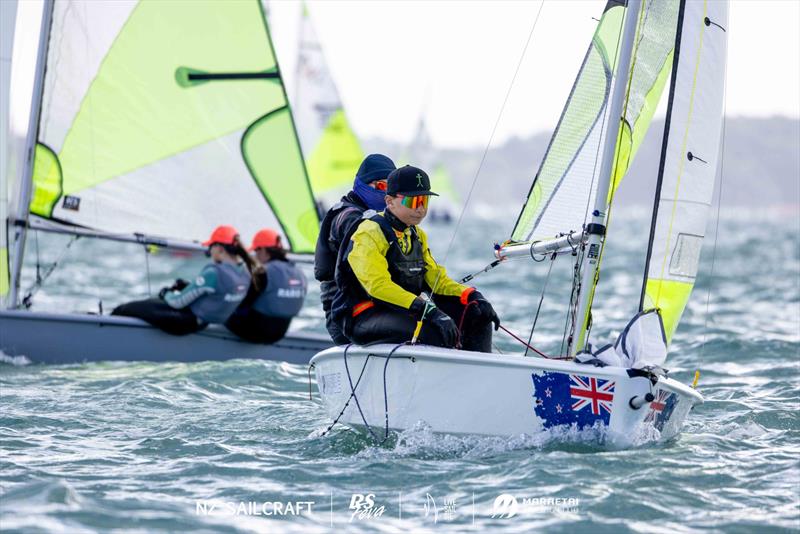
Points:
(179, 285)
(484, 308)
(437, 319)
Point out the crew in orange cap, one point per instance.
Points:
(267, 311)
(211, 297)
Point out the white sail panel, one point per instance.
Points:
(169, 120)
(332, 151)
(691, 160)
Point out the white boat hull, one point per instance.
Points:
(463, 392)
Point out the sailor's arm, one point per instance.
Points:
(436, 275)
(367, 259)
(204, 284)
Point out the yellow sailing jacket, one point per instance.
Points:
(367, 259)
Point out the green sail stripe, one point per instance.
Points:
(334, 161)
(47, 179)
(272, 156)
(670, 297)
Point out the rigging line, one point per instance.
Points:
(541, 299)
(38, 261)
(147, 268)
(40, 280)
(569, 320)
(486, 150)
(719, 205)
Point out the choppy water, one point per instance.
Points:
(140, 447)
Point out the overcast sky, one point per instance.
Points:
(454, 61)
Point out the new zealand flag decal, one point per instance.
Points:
(661, 409)
(564, 399)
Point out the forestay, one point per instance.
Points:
(332, 150)
(168, 119)
(689, 161)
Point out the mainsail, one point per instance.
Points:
(690, 159)
(332, 150)
(168, 119)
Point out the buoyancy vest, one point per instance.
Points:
(285, 292)
(231, 287)
(406, 270)
(331, 237)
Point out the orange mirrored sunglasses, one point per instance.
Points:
(414, 202)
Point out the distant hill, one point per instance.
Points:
(761, 165)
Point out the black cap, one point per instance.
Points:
(409, 181)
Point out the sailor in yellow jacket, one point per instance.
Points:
(388, 279)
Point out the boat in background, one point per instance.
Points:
(332, 150)
(620, 394)
(168, 120)
(422, 153)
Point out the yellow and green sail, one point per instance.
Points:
(169, 120)
(332, 150)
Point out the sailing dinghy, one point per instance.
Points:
(152, 123)
(621, 393)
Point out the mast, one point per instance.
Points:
(596, 228)
(26, 179)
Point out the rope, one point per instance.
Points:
(147, 268)
(27, 301)
(486, 151)
(541, 299)
(353, 395)
(310, 393)
(386, 394)
(352, 389)
(534, 349)
(719, 205)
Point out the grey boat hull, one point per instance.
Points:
(74, 338)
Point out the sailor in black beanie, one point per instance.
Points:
(390, 288)
(340, 222)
